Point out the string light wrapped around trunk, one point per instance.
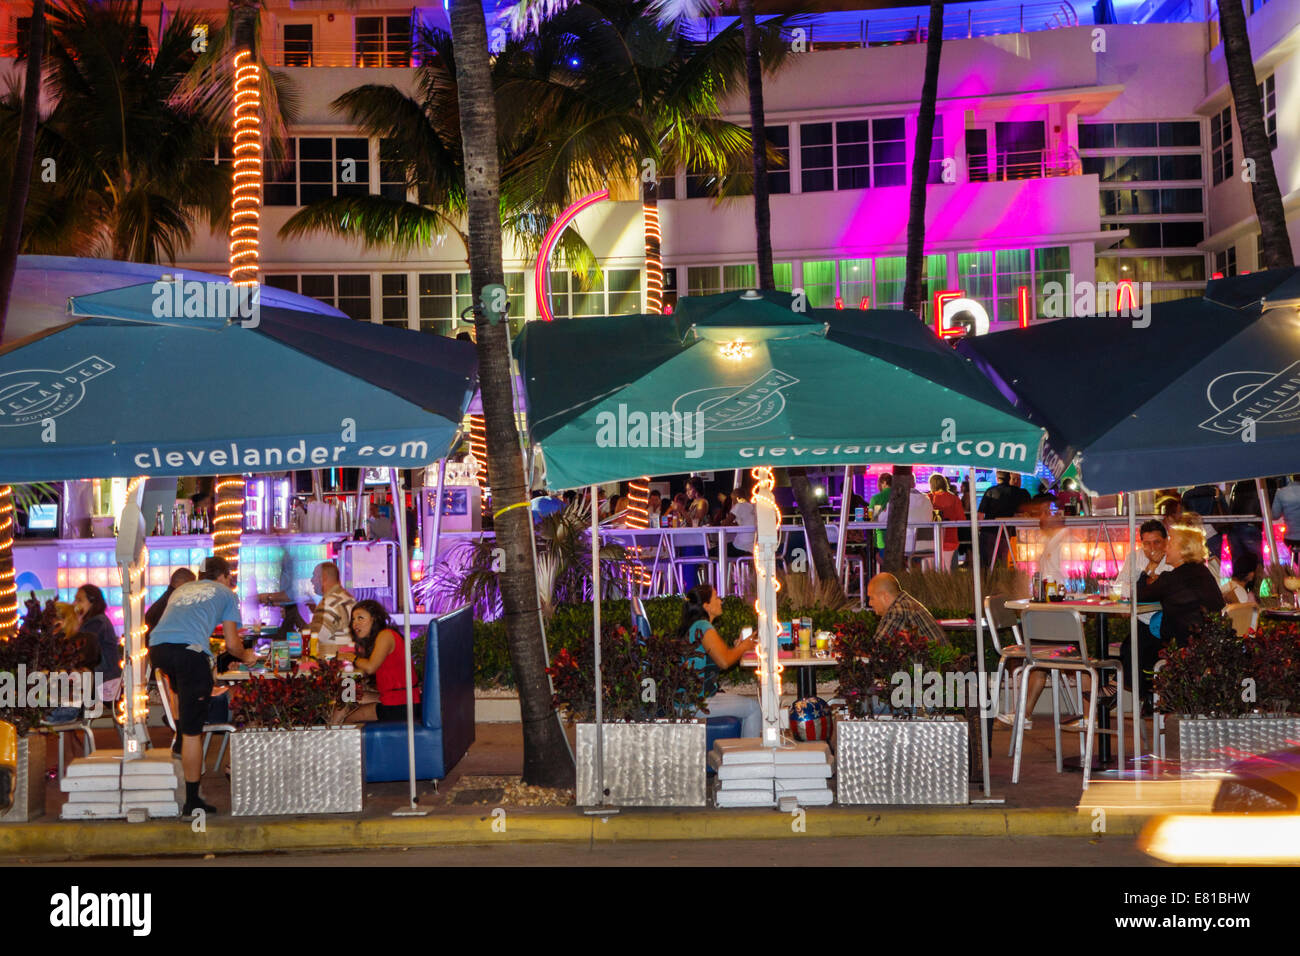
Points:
(8, 590)
(133, 706)
(228, 525)
(764, 485)
(478, 448)
(638, 516)
(246, 189)
(654, 273)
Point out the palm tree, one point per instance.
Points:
(19, 185)
(126, 144)
(1267, 196)
(421, 132)
(901, 488)
(547, 760)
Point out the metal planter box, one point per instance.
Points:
(29, 782)
(310, 770)
(902, 762)
(1215, 743)
(646, 764)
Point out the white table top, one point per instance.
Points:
(798, 659)
(1100, 606)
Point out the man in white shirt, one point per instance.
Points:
(332, 617)
(1149, 559)
(746, 517)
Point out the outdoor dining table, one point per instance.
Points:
(1099, 606)
(1287, 613)
(804, 664)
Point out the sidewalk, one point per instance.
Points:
(1042, 804)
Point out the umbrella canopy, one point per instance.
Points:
(740, 380)
(1209, 391)
(121, 390)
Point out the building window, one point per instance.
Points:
(514, 282)
(316, 168)
(613, 292)
(383, 41)
(1225, 262)
(1150, 202)
(819, 283)
(710, 280)
(392, 172)
(437, 303)
(1014, 269)
(1179, 133)
(350, 294)
(1051, 264)
(1151, 268)
(297, 44)
(975, 276)
(1268, 103)
(778, 176)
(1021, 149)
(852, 154)
(936, 153)
(977, 155)
(394, 308)
(1221, 145)
(855, 282)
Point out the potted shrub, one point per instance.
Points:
(1228, 696)
(891, 748)
(654, 747)
(284, 758)
(36, 648)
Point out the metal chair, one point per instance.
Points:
(679, 561)
(1001, 620)
(1065, 626)
(165, 694)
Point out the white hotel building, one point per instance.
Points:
(1110, 155)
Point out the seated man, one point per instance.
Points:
(899, 611)
(331, 618)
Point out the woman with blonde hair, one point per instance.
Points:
(1186, 592)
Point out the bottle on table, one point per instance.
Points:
(158, 522)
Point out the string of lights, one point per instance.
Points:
(654, 273)
(228, 525)
(478, 448)
(246, 189)
(8, 590)
(763, 497)
(133, 711)
(638, 516)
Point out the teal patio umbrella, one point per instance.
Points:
(746, 380)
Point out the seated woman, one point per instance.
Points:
(712, 656)
(1185, 594)
(382, 652)
(87, 660)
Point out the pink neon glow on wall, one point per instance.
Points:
(542, 270)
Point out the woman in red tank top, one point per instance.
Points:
(385, 657)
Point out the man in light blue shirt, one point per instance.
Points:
(179, 648)
(1286, 504)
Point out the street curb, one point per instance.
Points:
(80, 840)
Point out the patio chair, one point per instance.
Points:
(1244, 617)
(83, 725)
(165, 694)
(1064, 626)
(679, 561)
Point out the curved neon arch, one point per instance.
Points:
(542, 271)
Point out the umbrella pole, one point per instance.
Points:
(1133, 635)
(984, 694)
(595, 633)
(1271, 540)
(404, 578)
(431, 546)
(845, 495)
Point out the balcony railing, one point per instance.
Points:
(1024, 164)
(829, 31)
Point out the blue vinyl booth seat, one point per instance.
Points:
(444, 720)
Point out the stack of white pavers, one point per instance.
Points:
(751, 775)
(104, 785)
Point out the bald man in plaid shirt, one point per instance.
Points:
(332, 617)
(899, 611)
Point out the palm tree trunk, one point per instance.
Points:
(654, 267)
(1275, 242)
(758, 135)
(819, 546)
(547, 761)
(21, 184)
(901, 489)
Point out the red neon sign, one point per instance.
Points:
(1127, 291)
(940, 299)
(1024, 306)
